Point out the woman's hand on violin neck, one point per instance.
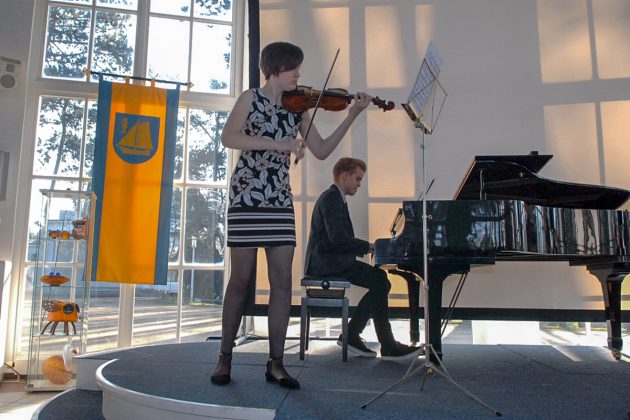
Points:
(362, 101)
(295, 146)
(300, 152)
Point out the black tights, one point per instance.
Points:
(242, 278)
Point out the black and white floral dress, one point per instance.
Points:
(260, 212)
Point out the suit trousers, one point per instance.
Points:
(374, 303)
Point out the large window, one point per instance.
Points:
(177, 40)
(186, 40)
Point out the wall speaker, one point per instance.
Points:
(9, 73)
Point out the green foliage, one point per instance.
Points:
(67, 42)
(63, 120)
(111, 45)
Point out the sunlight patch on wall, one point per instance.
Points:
(616, 133)
(381, 216)
(571, 136)
(328, 41)
(295, 174)
(275, 25)
(306, 211)
(300, 246)
(310, 205)
(391, 157)
(262, 279)
(565, 51)
(424, 30)
(319, 172)
(612, 34)
(399, 294)
(383, 47)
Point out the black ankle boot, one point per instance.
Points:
(222, 378)
(284, 380)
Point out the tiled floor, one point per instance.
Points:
(16, 403)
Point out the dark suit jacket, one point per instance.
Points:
(332, 247)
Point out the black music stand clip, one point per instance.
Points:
(424, 107)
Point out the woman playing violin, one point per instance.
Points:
(260, 211)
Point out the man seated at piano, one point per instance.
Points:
(332, 250)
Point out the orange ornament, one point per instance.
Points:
(55, 372)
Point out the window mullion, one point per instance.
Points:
(82, 147)
(142, 38)
(190, 39)
(91, 41)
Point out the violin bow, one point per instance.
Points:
(319, 98)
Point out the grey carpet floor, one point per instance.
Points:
(520, 381)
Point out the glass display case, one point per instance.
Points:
(61, 290)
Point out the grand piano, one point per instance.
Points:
(504, 211)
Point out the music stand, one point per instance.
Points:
(427, 94)
(423, 107)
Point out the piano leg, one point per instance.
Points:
(611, 280)
(433, 308)
(438, 272)
(413, 288)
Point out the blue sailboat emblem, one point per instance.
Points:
(136, 137)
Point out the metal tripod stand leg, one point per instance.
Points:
(431, 368)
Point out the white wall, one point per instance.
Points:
(15, 36)
(521, 75)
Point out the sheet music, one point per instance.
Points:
(429, 71)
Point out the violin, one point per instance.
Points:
(305, 97)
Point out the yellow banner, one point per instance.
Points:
(132, 178)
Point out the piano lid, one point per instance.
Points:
(514, 177)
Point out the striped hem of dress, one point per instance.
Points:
(261, 227)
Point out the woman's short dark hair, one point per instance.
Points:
(280, 56)
(347, 164)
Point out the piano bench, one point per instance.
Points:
(324, 291)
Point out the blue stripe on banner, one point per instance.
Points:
(100, 160)
(166, 194)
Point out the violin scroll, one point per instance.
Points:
(384, 105)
